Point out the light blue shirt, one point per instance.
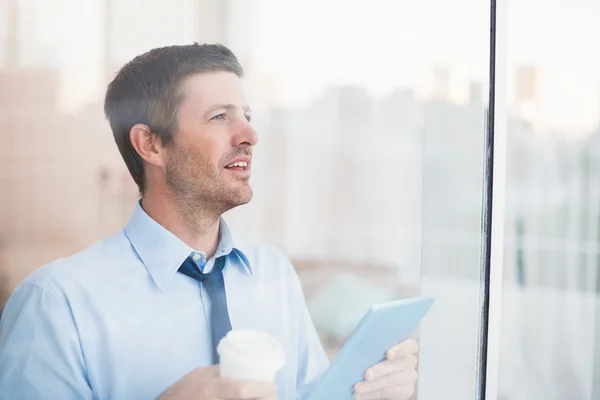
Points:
(117, 321)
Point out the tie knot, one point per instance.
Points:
(193, 270)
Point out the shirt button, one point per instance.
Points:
(196, 257)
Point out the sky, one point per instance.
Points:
(299, 48)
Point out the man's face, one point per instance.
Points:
(208, 162)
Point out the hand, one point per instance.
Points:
(393, 378)
(205, 384)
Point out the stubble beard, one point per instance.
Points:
(199, 192)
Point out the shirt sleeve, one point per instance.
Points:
(312, 360)
(40, 352)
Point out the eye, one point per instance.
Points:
(220, 117)
(248, 118)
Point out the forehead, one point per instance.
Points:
(201, 91)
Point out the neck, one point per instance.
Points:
(198, 230)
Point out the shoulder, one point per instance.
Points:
(265, 257)
(263, 252)
(268, 261)
(83, 265)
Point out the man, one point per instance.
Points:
(127, 317)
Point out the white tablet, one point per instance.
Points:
(384, 326)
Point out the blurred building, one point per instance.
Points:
(527, 93)
(527, 83)
(441, 82)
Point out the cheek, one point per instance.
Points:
(202, 152)
(213, 153)
(206, 160)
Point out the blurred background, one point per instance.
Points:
(370, 169)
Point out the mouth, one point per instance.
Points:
(238, 166)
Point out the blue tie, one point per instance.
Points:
(215, 286)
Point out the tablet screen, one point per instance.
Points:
(382, 327)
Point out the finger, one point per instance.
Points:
(242, 390)
(388, 366)
(391, 393)
(403, 349)
(389, 380)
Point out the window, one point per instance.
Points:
(383, 170)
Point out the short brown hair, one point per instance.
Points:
(147, 91)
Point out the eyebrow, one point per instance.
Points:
(227, 107)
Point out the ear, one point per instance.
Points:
(147, 145)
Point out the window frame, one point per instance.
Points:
(494, 187)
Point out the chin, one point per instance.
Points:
(241, 197)
(246, 198)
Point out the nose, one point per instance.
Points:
(245, 135)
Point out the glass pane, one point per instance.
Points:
(454, 133)
(373, 126)
(369, 169)
(549, 342)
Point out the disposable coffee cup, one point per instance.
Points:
(251, 355)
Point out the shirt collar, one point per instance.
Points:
(163, 253)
